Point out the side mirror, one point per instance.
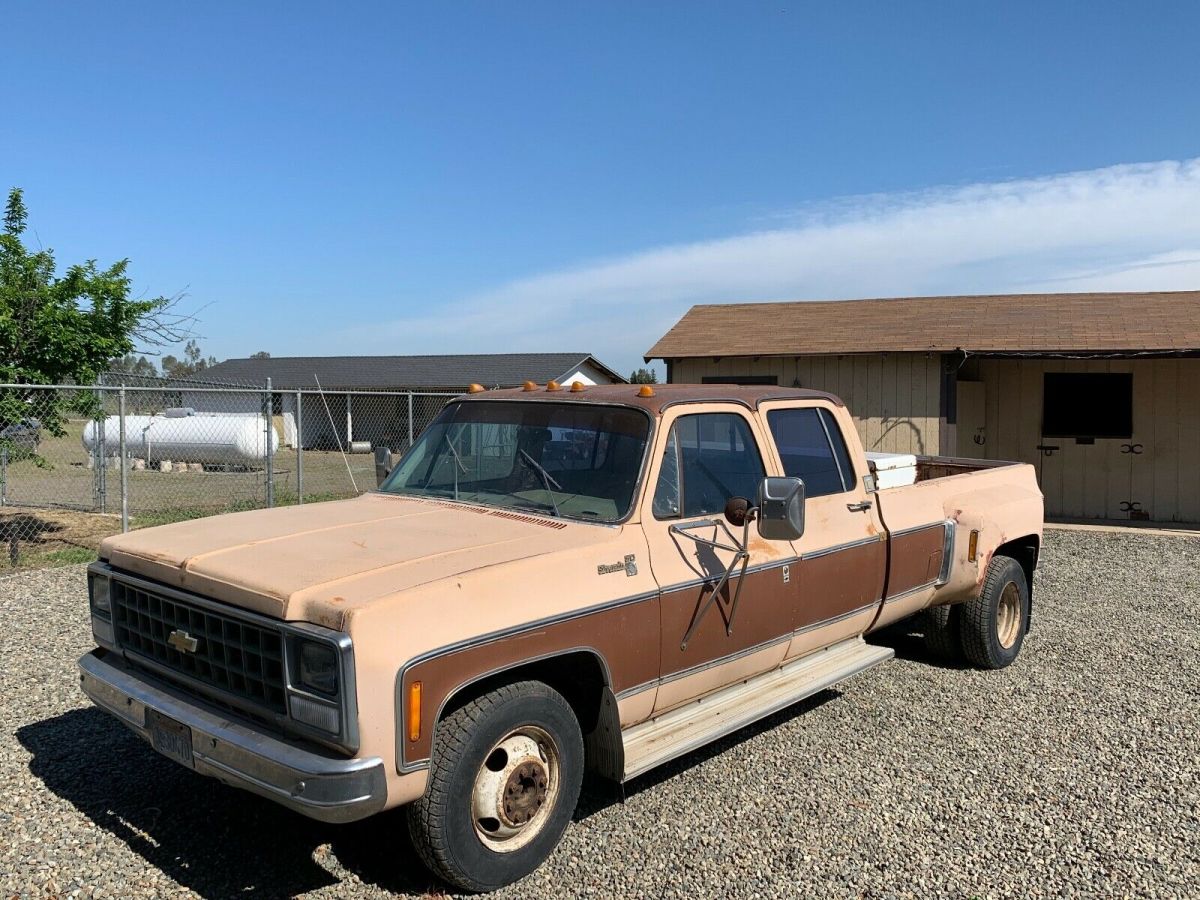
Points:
(781, 509)
(385, 461)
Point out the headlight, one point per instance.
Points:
(318, 669)
(98, 594)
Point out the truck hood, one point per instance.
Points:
(298, 562)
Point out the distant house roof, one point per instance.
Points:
(1004, 323)
(446, 372)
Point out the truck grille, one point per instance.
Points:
(240, 659)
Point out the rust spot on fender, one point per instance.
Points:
(327, 616)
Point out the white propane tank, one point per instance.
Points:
(214, 440)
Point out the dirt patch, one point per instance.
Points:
(34, 537)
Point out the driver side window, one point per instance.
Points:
(709, 458)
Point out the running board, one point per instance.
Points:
(691, 726)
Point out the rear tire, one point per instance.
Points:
(993, 625)
(942, 630)
(503, 784)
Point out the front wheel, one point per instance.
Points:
(503, 783)
(993, 625)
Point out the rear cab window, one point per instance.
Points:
(811, 447)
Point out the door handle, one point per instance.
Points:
(861, 506)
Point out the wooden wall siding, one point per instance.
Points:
(893, 397)
(1091, 481)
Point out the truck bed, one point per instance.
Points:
(931, 467)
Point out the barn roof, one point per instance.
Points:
(992, 323)
(442, 372)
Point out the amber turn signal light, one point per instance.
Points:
(973, 546)
(414, 711)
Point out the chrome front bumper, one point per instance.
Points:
(325, 787)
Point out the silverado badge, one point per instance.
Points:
(629, 566)
(182, 641)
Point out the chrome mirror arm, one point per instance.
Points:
(741, 557)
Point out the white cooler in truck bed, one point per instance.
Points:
(893, 469)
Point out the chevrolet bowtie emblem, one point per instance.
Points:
(182, 641)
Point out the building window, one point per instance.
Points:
(812, 449)
(740, 379)
(1087, 405)
(709, 458)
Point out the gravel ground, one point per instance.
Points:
(1075, 772)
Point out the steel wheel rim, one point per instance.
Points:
(516, 789)
(1008, 616)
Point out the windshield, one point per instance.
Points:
(573, 460)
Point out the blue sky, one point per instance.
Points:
(342, 178)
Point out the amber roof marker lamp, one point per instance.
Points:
(577, 387)
(475, 389)
(529, 386)
(645, 391)
(553, 386)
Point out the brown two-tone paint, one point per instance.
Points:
(769, 610)
(764, 611)
(840, 580)
(916, 555)
(616, 634)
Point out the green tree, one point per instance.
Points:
(132, 364)
(261, 354)
(193, 361)
(643, 376)
(65, 328)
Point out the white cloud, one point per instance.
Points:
(1132, 227)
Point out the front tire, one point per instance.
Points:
(993, 625)
(503, 784)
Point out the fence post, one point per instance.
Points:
(101, 453)
(410, 427)
(268, 408)
(124, 462)
(3, 475)
(299, 448)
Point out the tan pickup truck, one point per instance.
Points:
(551, 580)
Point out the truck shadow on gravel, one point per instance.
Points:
(909, 644)
(220, 842)
(599, 794)
(212, 839)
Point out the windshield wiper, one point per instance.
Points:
(457, 459)
(547, 479)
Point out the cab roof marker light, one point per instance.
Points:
(645, 391)
(475, 389)
(577, 387)
(529, 386)
(553, 386)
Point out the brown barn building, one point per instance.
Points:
(1101, 392)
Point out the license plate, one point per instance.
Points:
(170, 738)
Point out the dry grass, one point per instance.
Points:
(62, 479)
(33, 538)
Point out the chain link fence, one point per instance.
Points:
(79, 463)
